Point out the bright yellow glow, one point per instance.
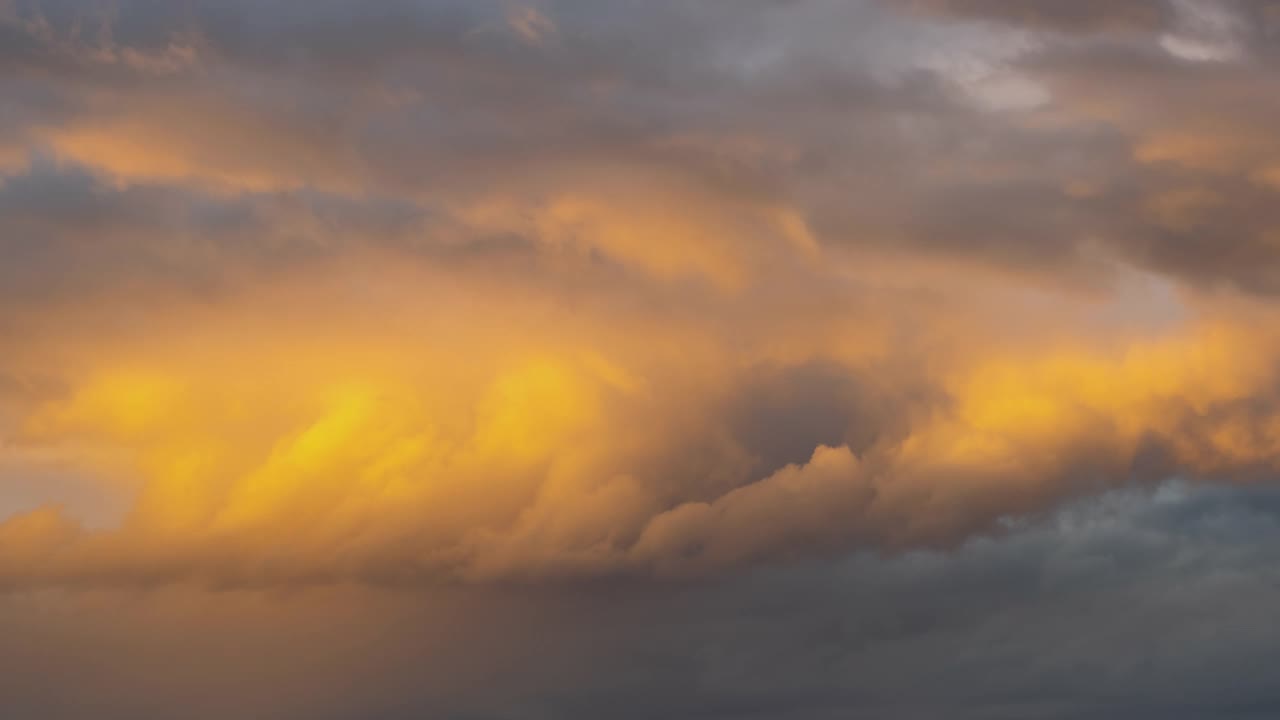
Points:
(449, 438)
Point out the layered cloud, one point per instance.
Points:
(1139, 603)
(453, 291)
(367, 422)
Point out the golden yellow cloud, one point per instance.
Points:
(321, 430)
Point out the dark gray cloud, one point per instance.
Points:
(1139, 603)
(436, 103)
(1083, 16)
(70, 232)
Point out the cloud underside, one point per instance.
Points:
(448, 292)
(1138, 603)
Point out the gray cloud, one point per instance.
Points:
(436, 103)
(1139, 603)
(1084, 16)
(69, 232)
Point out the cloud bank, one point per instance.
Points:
(441, 292)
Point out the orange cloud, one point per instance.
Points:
(321, 443)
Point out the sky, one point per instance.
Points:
(578, 359)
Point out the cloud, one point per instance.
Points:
(665, 344)
(742, 117)
(526, 296)
(531, 25)
(1138, 603)
(739, 358)
(609, 446)
(1086, 16)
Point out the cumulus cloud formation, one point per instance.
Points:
(422, 293)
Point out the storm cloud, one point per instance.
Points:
(782, 359)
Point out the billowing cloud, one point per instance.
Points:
(510, 434)
(574, 358)
(440, 292)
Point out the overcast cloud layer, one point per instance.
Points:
(778, 358)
